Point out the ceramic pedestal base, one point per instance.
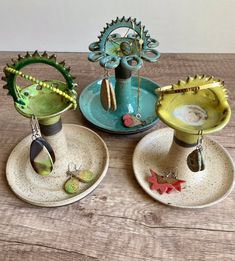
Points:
(84, 147)
(93, 111)
(205, 188)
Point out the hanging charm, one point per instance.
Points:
(85, 176)
(107, 94)
(72, 184)
(112, 97)
(130, 120)
(165, 184)
(42, 156)
(195, 159)
(133, 120)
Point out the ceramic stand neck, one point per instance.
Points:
(126, 102)
(176, 160)
(184, 139)
(57, 140)
(50, 126)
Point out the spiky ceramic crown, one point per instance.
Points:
(197, 81)
(28, 59)
(99, 49)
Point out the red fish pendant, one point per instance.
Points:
(164, 184)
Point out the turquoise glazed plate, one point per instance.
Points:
(111, 121)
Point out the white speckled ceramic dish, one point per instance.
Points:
(202, 189)
(84, 147)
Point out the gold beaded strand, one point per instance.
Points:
(43, 84)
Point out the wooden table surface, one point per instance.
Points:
(118, 221)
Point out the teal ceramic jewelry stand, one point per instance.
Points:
(124, 54)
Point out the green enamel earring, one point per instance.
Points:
(72, 184)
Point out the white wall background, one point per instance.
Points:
(71, 25)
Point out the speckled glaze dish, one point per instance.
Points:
(92, 110)
(202, 189)
(84, 147)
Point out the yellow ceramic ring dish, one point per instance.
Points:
(192, 108)
(197, 104)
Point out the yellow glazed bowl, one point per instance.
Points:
(205, 110)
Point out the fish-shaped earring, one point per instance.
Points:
(195, 159)
(131, 120)
(42, 156)
(165, 184)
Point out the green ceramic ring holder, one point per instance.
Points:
(192, 108)
(40, 102)
(45, 104)
(124, 54)
(47, 100)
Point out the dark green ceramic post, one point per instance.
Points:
(126, 103)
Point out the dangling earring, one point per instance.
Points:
(195, 159)
(166, 183)
(107, 94)
(133, 120)
(72, 184)
(42, 156)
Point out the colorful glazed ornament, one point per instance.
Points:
(165, 184)
(132, 95)
(42, 156)
(44, 100)
(187, 106)
(71, 185)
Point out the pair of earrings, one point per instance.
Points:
(195, 159)
(42, 156)
(71, 185)
(165, 184)
(107, 94)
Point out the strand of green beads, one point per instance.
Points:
(43, 84)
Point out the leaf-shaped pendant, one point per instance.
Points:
(42, 156)
(105, 94)
(85, 176)
(48, 147)
(71, 186)
(195, 160)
